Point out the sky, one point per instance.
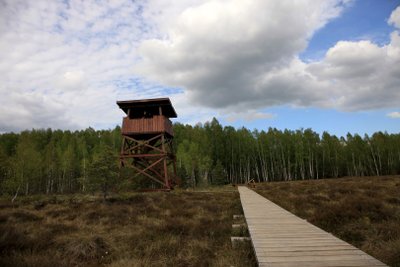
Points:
(329, 65)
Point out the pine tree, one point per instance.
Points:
(103, 170)
(218, 174)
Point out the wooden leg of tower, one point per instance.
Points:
(121, 160)
(150, 158)
(123, 145)
(167, 183)
(146, 172)
(173, 159)
(153, 169)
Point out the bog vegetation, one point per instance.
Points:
(140, 229)
(55, 161)
(364, 211)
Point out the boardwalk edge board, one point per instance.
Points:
(281, 239)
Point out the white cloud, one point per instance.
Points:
(72, 80)
(31, 110)
(395, 18)
(190, 112)
(64, 63)
(224, 54)
(220, 52)
(249, 115)
(394, 115)
(361, 75)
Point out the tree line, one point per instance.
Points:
(55, 161)
(274, 155)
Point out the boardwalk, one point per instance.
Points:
(282, 239)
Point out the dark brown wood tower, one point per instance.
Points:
(147, 139)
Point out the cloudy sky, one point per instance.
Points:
(324, 64)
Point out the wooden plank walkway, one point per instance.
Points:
(281, 239)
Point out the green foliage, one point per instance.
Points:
(47, 161)
(103, 170)
(26, 162)
(218, 174)
(4, 167)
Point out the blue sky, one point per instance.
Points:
(362, 19)
(329, 65)
(320, 120)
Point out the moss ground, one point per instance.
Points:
(139, 229)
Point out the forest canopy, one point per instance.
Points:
(56, 161)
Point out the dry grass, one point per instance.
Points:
(364, 211)
(138, 229)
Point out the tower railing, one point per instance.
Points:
(156, 124)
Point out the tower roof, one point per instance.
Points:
(149, 105)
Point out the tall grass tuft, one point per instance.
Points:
(180, 228)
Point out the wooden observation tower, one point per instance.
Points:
(147, 139)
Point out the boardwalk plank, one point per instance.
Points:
(281, 239)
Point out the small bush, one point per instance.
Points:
(137, 229)
(85, 248)
(38, 205)
(25, 216)
(12, 238)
